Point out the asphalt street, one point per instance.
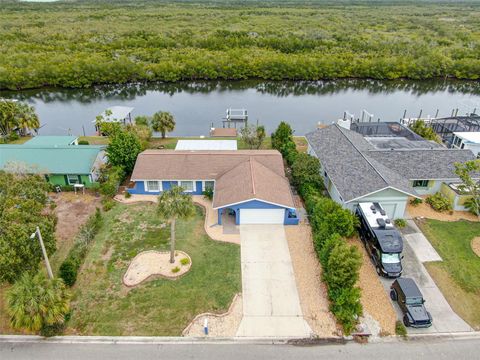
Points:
(431, 349)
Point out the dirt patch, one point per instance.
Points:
(311, 290)
(426, 211)
(72, 212)
(219, 325)
(374, 299)
(476, 245)
(150, 263)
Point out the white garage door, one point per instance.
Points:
(262, 216)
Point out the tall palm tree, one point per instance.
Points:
(173, 204)
(35, 302)
(26, 118)
(163, 122)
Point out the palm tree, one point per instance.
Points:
(173, 204)
(19, 116)
(163, 122)
(35, 302)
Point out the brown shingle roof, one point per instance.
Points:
(252, 180)
(201, 165)
(240, 175)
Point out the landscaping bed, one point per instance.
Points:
(424, 210)
(374, 299)
(458, 275)
(102, 305)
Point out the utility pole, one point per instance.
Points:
(44, 252)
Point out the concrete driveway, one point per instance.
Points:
(271, 306)
(417, 249)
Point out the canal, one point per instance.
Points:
(196, 105)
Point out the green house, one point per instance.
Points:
(58, 158)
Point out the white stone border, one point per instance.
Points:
(228, 312)
(169, 277)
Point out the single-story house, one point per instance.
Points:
(58, 158)
(249, 185)
(382, 168)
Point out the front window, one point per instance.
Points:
(187, 185)
(72, 179)
(390, 258)
(414, 300)
(209, 185)
(420, 183)
(153, 186)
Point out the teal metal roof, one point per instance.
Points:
(66, 159)
(51, 140)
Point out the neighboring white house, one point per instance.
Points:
(380, 168)
(467, 140)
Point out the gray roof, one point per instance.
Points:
(341, 153)
(427, 164)
(357, 168)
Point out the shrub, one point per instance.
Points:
(108, 204)
(400, 223)
(308, 191)
(127, 195)
(473, 206)
(342, 267)
(416, 201)
(175, 269)
(306, 170)
(328, 246)
(83, 142)
(208, 193)
(185, 261)
(110, 179)
(439, 202)
(400, 329)
(68, 271)
(346, 306)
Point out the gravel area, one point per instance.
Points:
(312, 291)
(219, 325)
(150, 263)
(425, 210)
(375, 301)
(476, 245)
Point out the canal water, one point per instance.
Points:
(196, 105)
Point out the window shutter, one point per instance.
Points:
(79, 179)
(66, 179)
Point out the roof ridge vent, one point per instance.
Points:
(250, 160)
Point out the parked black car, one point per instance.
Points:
(410, 300)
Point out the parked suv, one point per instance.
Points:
(410, 300)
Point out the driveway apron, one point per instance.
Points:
(271, 305)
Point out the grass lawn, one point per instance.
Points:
(104, 306)
(171, 142)
(458, 275)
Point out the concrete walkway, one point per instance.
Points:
(417, 249)
(271, 306)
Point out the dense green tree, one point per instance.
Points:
(35, 302)
(425, 131)
(163, 122)
(23, 207)
(468, 173)
(174, 204)
(306, 170)
(282, 137)
(123, 149)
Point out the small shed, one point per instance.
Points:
(223, 132)
(467, 140)
(206, 145)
